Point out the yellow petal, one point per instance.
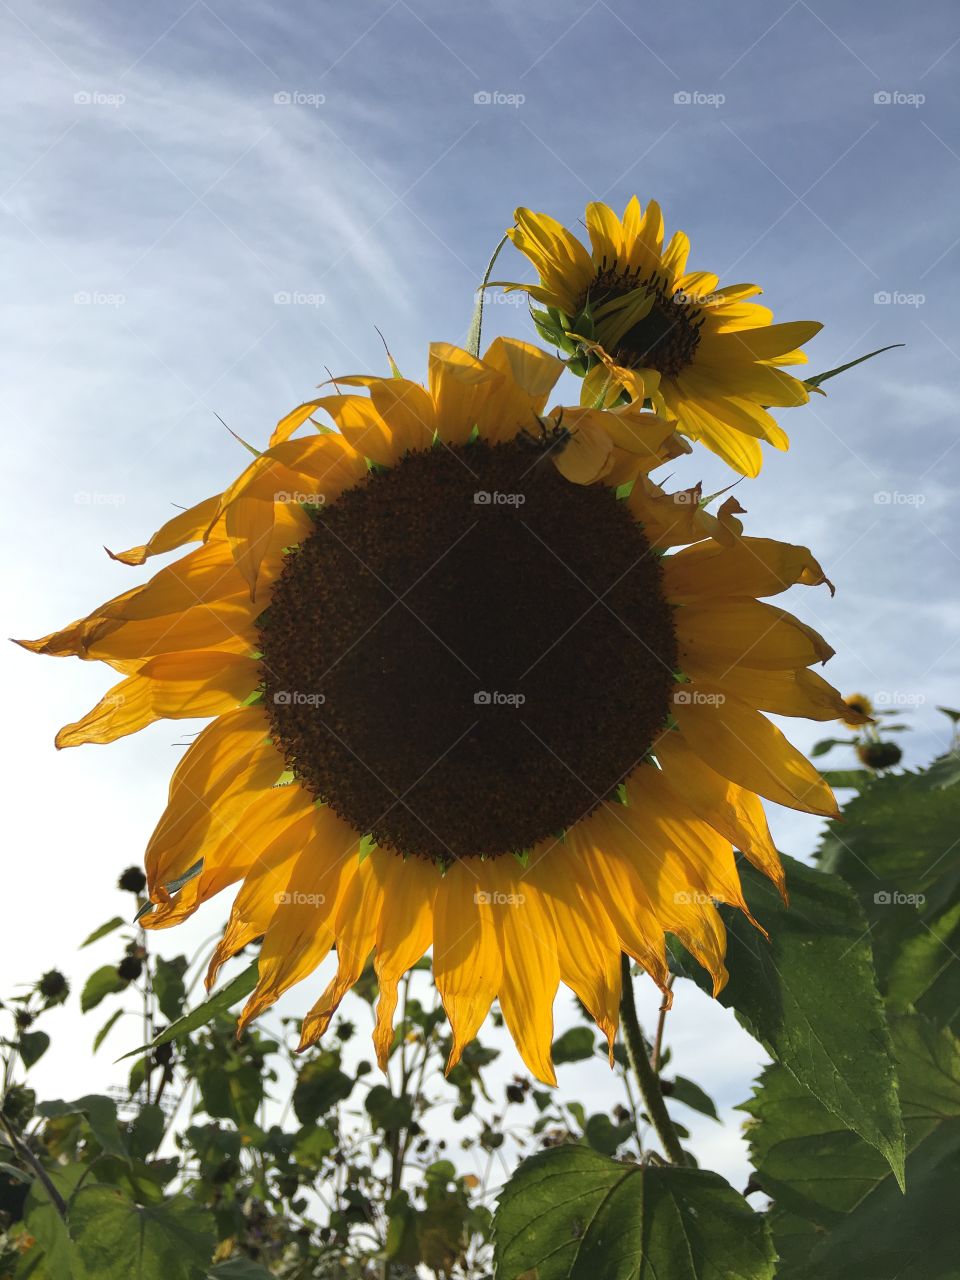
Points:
(722, 634)
(301, 928)
(784, 693)
(459, 385)
(358, 911)
(271, 814)
(467, 963)
(766, 342)
(606, 234)
(187, 526)
(531, 968)
(231, 762)
(744, 746)
(587, 945)
(404, 406)
(172, 686)
(752, 567)
(587, 456)
(404, 932)
(733, 811)
(519, 396)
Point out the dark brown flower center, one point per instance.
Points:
(667, 337)
(469, 652)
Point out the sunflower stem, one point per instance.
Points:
(647, 1079)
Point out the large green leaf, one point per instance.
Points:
(115, 1239)
(823, 1178)
(809, 995)
(891, 1236)
(101, 1115)
(223, 1000)
(896, 847)
(571, 1214)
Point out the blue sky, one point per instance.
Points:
(203, 207)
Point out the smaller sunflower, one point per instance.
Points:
(860, 702)
(639, 324)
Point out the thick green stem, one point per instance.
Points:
(647, 1078)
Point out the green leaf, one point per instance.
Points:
(569, 1213)
(146, 1131)
(387, 1111)
(44, 1223)
(116, 1239)
(32, 1045)
(103, 930)
(103, 982)
(223, 1000)
(809, 995)
(605, 1136)
(106, 1029)
(168, 986)
(101, 1115)
(575, 1045)
(472, 343)
(691, 1095)
(827, 744)
(823, 1175)
(855, 778)
(892, 847)
(842, 368)
(320, 1086)
(925, 972)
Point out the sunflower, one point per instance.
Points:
(477, 684)
(639, 323)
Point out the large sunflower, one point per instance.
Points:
(639, 322)
(467, 695)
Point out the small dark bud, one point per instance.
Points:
(132, 881)
(130, 968)
(53, 986)
(879, 755)
(514, 1093)
(23, 1019)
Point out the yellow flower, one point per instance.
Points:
(860, 702)
(468, 694)
(701, 353)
